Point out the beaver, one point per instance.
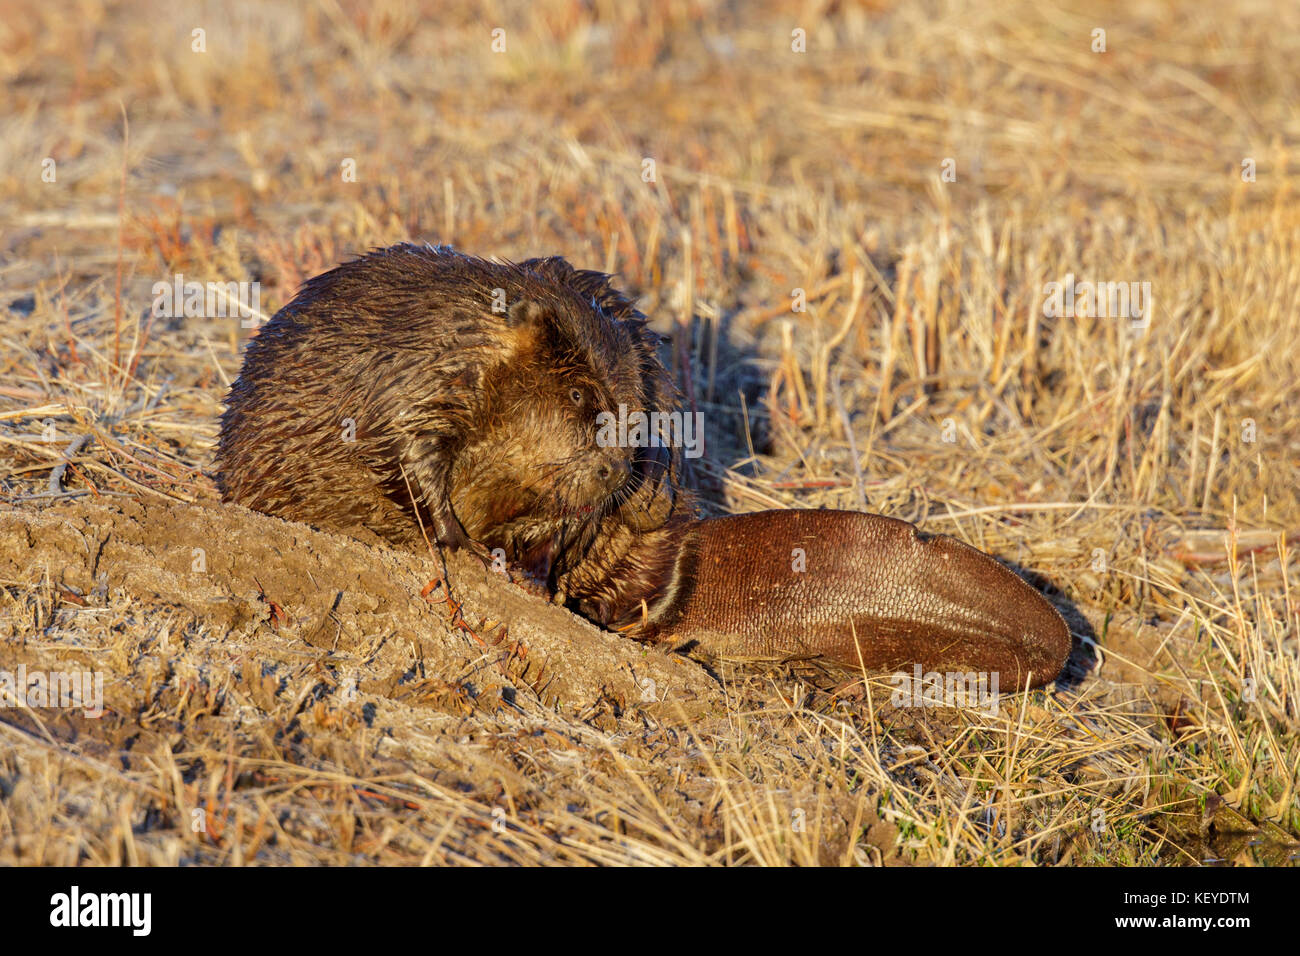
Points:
(419, 392)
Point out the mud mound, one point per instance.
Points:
(252, 666)
(275, 587)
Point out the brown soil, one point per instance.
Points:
(248, 647)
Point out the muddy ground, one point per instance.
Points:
(311, 657)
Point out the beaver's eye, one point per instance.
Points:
(576, 395)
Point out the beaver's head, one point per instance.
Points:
(551, 453)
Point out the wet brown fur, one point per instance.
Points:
(478, 424)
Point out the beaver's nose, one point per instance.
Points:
(614, 472)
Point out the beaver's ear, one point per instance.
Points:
(525, 312)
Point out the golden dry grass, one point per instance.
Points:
(1147, 475)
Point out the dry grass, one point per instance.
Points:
(1147, 475)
